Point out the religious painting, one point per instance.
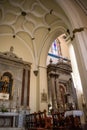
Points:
(62, 94)
(6, 82)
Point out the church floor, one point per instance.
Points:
(7, 128)
(82, 128)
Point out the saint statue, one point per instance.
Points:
(4, 84)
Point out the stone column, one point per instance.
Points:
(53, 93)
(57, 90)
(42, 97)
(49, 90)
(25, 87)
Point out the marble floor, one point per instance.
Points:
(84, 127)
(10, 128)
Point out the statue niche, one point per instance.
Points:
(6, 82)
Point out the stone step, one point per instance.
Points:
(11, 128)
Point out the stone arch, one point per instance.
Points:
(76, 42)
(73, 23)
(60, 30)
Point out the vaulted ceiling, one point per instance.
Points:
(27, 24)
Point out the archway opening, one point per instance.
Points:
(62, 69)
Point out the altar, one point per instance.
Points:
(8, 119)
(73, 113)
(73, 118)
(14, 89)
(11, 119)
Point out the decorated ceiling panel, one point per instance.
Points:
(29, 21)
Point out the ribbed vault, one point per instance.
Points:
(29, 24)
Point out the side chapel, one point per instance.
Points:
(61, 90)
(14, 82)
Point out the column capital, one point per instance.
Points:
(53, 74)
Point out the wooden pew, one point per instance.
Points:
(48, 121)
(59, 122)
(38, 121)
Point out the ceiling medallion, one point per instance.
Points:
(14, 36)
(51, 11)
(49, 29)
(32, 38)
(23, 13)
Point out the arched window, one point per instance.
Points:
(54, 51)
(56, 48)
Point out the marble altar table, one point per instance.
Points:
(8, 119)
(73, 118)
(73, 113)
